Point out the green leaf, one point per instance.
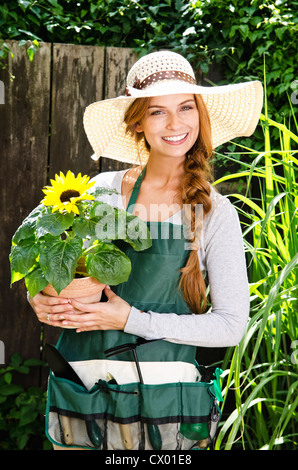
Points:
(15, 360)
(28, 415)
(24, 4)
(102, 221)
(33, 362)
(115, 29)
(31, 51)
(8, 377)
(137, 233)
(10, 389)
(23, 256)
(35, 281)
(22, 440)
(15, 276)
(84, 227)
(22, 42)
(105, 228)
(108, 264)
(22, 369)
(154, 10)
(101, 209)
(58, 260)
(117, 224)
(27, 229)
(54, 223)
(280, 32)
(30, 35)
(244, 30)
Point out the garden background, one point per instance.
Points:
(58, 56)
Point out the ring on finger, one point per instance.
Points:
(48, 317)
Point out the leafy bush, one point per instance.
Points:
(262, 370)
(241, 37)
(231, 34)
(21, 410)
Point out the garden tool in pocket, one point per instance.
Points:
(153, 431)
(124, 428)
(61, 368)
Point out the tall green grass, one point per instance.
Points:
(261, 373)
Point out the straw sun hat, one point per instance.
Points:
(234, 109)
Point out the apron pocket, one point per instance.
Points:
(93, 418)
(132, 416)
(184, 414)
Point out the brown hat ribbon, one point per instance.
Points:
(157, 76)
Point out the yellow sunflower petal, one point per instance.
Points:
(75, 209)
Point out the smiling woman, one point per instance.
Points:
(136, 352)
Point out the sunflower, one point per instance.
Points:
(66, 192)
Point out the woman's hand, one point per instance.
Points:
(49, 309)
(110, 315)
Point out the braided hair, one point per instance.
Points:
(195, 191)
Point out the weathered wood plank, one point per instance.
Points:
(77, 81)
(117, 64)
(24, 129)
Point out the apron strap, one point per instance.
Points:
(135, 192)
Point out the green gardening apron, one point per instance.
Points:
(138, 394)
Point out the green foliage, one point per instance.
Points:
(234, 35)
(49, 247)
(239, 36)
(21, 410)
(262, 369)
(110, 263)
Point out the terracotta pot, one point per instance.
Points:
(85, 290)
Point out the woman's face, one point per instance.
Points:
(171, 125)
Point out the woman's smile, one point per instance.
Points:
(176, 139)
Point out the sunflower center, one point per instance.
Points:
(66, 195)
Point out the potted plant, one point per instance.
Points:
(71, 235)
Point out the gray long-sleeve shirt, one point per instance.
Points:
(221, 256)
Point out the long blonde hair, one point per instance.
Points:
(195, 190)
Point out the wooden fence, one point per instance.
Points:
(41, 133)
